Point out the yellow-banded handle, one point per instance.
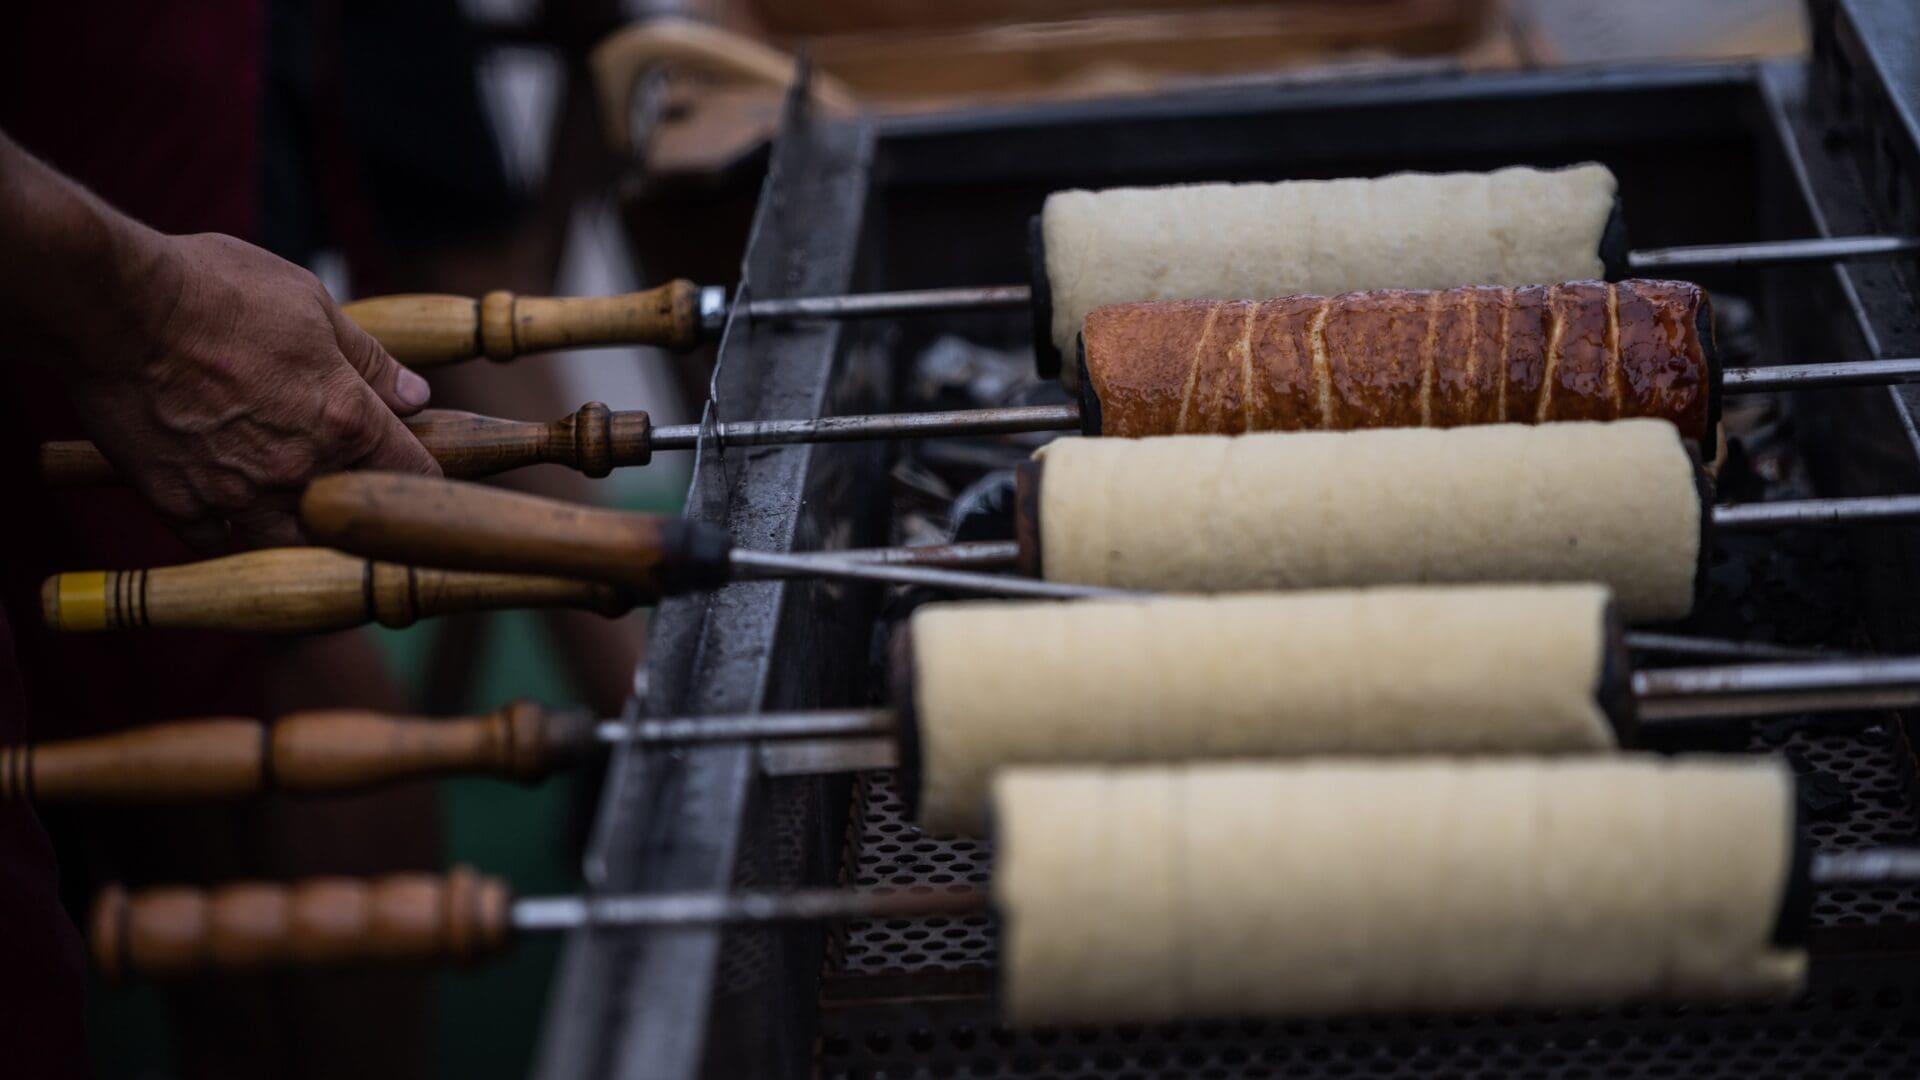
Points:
(323, 751)
(325, 922)
(79, 601)
(300, 591)
(425, 330)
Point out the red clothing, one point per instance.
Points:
(155, 106)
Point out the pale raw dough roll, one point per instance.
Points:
(1501, 669)
(1613, 503)
(1516, 226)
(1278, 890)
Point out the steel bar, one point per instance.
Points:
(1021, 419)
(758, 908)
(1725, 692)
(908, 302)
(1774, 252)
(1720, 648)
(1749, 690)
(1754, 380)
(1869, 509)
(815, 724)
(1011, 420)
(778, 564)
(987, 297)
(1869, 866)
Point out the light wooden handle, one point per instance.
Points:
(299, 591)
(449, 523)
(325, 922)
(307, 752)
(595, 440)
(427, 330)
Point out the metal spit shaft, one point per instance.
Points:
(1868, 866)
(987, 297)
(1020, 419)
(1775, 252)
(903, 566)
(1727, 692)
(756, 908)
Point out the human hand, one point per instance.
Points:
(235, 380)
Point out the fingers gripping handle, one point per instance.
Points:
(595, 440)
(326, 922)
(423, 330)
(452, 524)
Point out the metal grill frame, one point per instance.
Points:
(856, 204)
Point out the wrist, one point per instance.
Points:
(138, 278)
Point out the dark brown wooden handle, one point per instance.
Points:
(300, 591)
(423, 330)
(307, 752)
(595, 440)
(326, 922)
(449, 523)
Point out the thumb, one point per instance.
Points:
(404, 391)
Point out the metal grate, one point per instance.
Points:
(886, 849)
(1859, 1021)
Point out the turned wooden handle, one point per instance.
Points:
(595, 440)
(449, 523)
(176, 930)
(299, 591)
(425, 330)
(309, 752)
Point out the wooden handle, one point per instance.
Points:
(307, 752)
(595, 440)
(449, 523)
(427, 330)
(299, 591)
(175, 930)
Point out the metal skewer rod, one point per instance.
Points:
(472, 445)
(1862, 510)
(987, 297)
(1868, 509)
(1775, 252)
(879, 304)
(752, 908)
(1755, 380)
(827, 429)
(1749, 690)
(1867, 866)
(463, 916)
(1723, 693)
(1647, 641)
(780, 564)
(1018, 419)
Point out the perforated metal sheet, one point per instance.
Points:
(1868, 765)
(912, 997)
(1856, 1023)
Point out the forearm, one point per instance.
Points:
(81, 284)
